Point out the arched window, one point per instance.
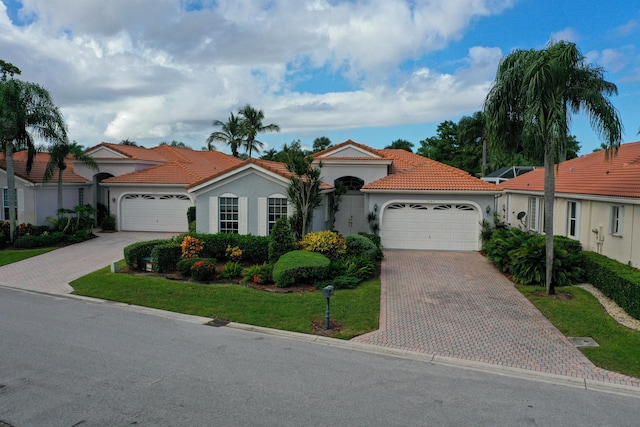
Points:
(351, 182)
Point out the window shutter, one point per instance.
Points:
(262, 216)
(213, 215)
(20, 203)
(243, 211)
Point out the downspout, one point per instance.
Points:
(633, 215)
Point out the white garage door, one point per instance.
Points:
(149, 212)
(431, 226)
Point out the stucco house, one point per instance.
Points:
(596, 202)
(37, 200)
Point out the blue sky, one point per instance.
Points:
(372, 71)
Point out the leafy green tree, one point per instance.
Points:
(232, 134)
(443, 146)
(252, 125)
(175, 143)
(531, 100)
(270, 154)
(303, 190)
(26, 109)
(59, 154)
(321, 143)
(129, 143)
(401, 144)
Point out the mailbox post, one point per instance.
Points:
(327, 292)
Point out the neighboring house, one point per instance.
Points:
(596, 202)
(145, 187)
(506, 173)
(248, 198)
(418, 203)
(37, 200)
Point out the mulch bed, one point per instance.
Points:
(318, 327)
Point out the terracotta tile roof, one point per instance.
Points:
(275, 167)
(619, 176)
(131, 152)
(37, 169)
(322, 154)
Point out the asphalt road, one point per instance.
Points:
(65, 362)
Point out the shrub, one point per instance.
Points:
(300, 266)
(108, 223)
(260, 274)
(234, 253)
(282, 239)
(191, 247)
(203, 270)
(3, 242)
(501, 243)
(617, 281)
(165, 257)
(192, 227)
(184, 265)
(358, 245)
(46, 239)
(373, 237)
(328, 243)
(254, 248)
(191, 214)
(339, 282)
(134, 253)
(231, 270)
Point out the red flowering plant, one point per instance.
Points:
(203, 271)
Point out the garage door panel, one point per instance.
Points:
(148, 212)
(430, 226)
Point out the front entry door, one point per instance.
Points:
(350, 218)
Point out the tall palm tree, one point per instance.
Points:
(231, 133)
(26, 109)
(59, 154)
(532, 98)
(252, 124)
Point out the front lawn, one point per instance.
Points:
(8, 256)
(357, 309)
(583, 316)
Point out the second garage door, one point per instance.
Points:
(431, 226)
(155, 212)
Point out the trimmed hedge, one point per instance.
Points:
(165, 257)
(134, 253)
(377, 240)
(255, 249)
(29, 241)
(617, 281)
(282, 239)
(361, 246)
(303, 266)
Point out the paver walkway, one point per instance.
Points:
(456, 304)
(51, 272)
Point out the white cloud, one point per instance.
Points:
(568, 34)
(151, 69)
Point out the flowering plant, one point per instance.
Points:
(328, 243)
(203, 271)
(234, 253)
(191, 247)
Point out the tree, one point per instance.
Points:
(321, 143)
(26, 109)
(59, 154)
(175, 143)
(231, 133)
(129, 143)
(304, 189)
(473, 143)
(441, 148)
(531, 100)
(401, 144)
(252, 125)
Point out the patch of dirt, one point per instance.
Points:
(276, 290)
(562, 296)
(318, 327)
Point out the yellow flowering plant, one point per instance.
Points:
(234, 253)
(328, 243)
(191, 247)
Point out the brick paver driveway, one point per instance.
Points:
(456, 304)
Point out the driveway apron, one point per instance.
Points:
(51, 272)
(456, 304)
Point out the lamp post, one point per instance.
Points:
(327, 292)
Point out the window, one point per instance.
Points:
(277, 208)
(615, 227)
(572, 219)
(5, 203)
(536, 214)
(228, 215)
(81, 196)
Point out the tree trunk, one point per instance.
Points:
(549, 199)
(59, 190)
(11, 190)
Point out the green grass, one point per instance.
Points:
(356, 309)
(8, 256)
(583, 316)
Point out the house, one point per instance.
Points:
(506, 173)
(416, 202)
(37, 200)
(596, 202)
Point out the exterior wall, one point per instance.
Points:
(593, 226)
(367, 173)
(113, 168)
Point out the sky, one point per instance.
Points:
(373, 71)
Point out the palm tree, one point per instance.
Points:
(531, 100)
(25, 108)
(59, 154)
(232, 134)
(252, 124)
